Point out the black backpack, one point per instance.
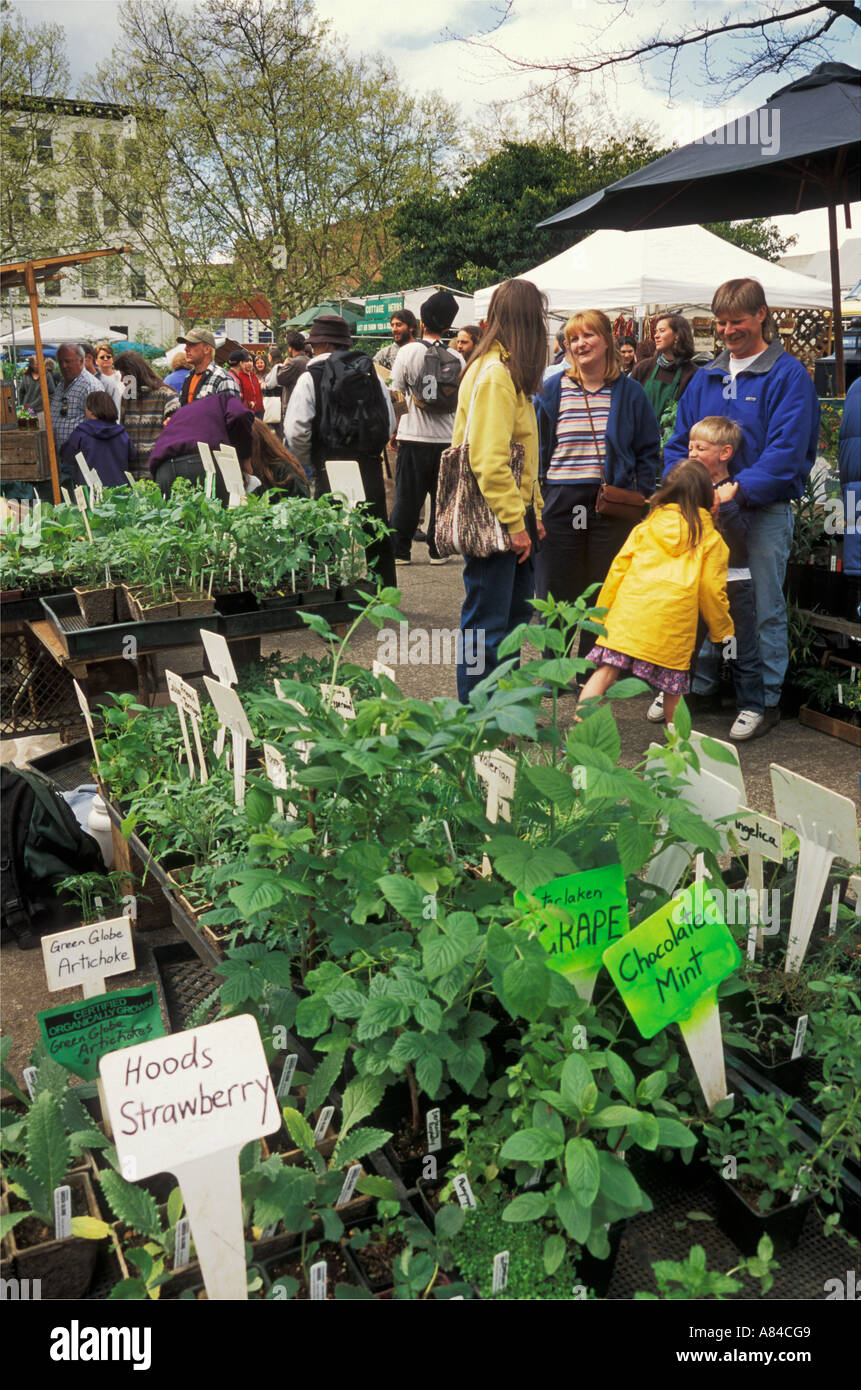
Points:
(41, 843)
(437, 387)
(351, 418)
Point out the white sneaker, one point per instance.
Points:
(655, 712)
(399, 561)
(439, 559)
(746, 725)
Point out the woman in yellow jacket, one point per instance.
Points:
(496, 398)
(672, 567)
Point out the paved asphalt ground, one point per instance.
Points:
(432, 597)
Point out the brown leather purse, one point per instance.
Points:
(614, 501)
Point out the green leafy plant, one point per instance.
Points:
(690, 1278)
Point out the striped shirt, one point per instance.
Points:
(574, 458)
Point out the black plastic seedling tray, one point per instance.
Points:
(112, 639)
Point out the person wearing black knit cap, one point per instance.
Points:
(422, 434)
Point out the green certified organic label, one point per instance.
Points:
(672, 960)
(77, 1035)
(581, 915)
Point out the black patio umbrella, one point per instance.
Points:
(798, 151)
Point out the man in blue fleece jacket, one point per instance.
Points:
(771, 396)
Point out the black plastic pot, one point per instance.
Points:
(244, 602)
(598, 1274)
(745, 1225)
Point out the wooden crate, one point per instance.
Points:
(8, 418)
(24, 456)
(826, 724)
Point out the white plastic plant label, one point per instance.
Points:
(64, 491)
(463, 1192)
(30, 1075)
(800, 1034)
(318, 1280)
(756, 834)
(228, 707)
(286, 1077)
(345, 479)
(835, 906)
(218, 656)
(182, 1243)
(227, 460)
(340, 698)
(187, 1104)
(434, 1131)
(827, 829)
(276, 771)
(500, 1271)
(323, 1123)
(62, 1212)
(87, 956)
(349, 1186)
(189, 1095)
(81, 504)
(378, 668)
(208, 468)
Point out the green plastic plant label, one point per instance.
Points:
(673, 960)
(594, 915)
(77, 1035)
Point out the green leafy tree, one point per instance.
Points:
(487, 230)
(267, 158)
(761, 236)
(33, 66)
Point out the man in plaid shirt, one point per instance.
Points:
(205, 377)
(67, 402)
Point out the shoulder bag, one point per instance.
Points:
(465, 522)
(614, 501)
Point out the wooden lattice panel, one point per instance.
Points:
(804, 332)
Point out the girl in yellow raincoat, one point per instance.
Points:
(672, 567)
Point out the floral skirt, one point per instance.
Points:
(659, 677)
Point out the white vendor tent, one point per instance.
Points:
(65, 329)
(663, 266)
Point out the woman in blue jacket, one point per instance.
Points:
(593, 422)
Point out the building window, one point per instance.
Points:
(90, 280)
(86, 216)
(48, 206)
(81, 146)
(137, 278)
(44, 147)
(114, 276)
(108, 146)
(130, 152)
(110, 215)
(135, 215)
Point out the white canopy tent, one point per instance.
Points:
(665, 266)
(65, 329)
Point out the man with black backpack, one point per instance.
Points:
(427, 375)
(340, 409)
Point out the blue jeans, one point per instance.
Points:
(746, 666)
(498, 591)
(768, 542)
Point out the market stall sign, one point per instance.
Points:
(77, 1035)
(581, 915)
(378, 310)
(187, 1105)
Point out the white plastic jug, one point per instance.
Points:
(99, 826)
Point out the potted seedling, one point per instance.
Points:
(147, 1237)
(691, 1279)
(44, 1194)
(765, 1177)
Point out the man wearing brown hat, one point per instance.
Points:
(205, 377)
(423, 433)
(309, 413)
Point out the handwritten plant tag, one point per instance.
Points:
(77, 1035)
(187, 1105)
(752, 833)
(218, 656)
(665, 966)
(340, 698)
(582, 914)
(88, 955)
(187, 701)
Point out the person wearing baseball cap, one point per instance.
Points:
(241, 365)
(205, 377)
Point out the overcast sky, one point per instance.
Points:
(419, 40)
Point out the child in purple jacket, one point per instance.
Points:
(102, 441)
